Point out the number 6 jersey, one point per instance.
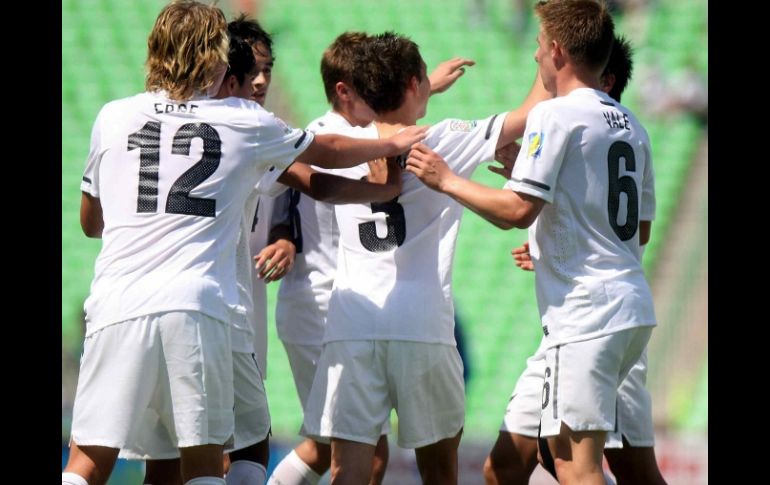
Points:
(172, 179)
(589, 157)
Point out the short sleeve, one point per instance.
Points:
(647, 210)
(465, 144)
(90, 182)
(542, 153)
(279, 144)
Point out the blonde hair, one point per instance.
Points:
(186, 49)
(584, 28)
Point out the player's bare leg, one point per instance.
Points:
(351, 462)
(380, 461)
(163, 472)
(201, 461)
(438, 462)
(634, 465)
(512, 460)
(318, 456)
(578, 456)
(94, 463)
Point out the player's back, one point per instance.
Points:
(394, 267)
(172, 179)
(586, 242)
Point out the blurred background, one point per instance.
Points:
(103, 51)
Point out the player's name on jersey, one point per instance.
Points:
(616, 119)
(172, 107)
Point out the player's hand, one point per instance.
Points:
(447, 73)
(404, 139)
(429, 167)
(378, 171)
(506, 156)
(522, 258)
(275, 260)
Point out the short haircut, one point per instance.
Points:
(384, 69)
(620, 65)
(337, 62)
(240, 57)
(250, 32)
(583, 28)
(186, 46)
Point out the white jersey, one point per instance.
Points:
(303, 298)
(394, 267)
(589, 157)
(172, 179)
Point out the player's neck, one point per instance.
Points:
(386, 129)
(572, 78)
(350, 117)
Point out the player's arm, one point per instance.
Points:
(502, 207)
(334, 189)
(645, 227)
(91, 220)
(277, 258)
(516, 120)
(446, 73)
(339, 151)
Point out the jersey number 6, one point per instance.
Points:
(625, 184)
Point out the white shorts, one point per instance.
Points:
(582, 380)
(303, 360)
(165, 377)
(252, 417)
(522, 416)
(359, 382)
(634, 409)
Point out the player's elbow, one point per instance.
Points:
(92, 230)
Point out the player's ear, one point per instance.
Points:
(343, 91)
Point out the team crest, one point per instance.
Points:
(535, 145)
(462, 125)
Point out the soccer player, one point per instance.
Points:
(249, 458)
(585, 179)
(165, 185)
(629, 451)
(304, 293)
(389, 340)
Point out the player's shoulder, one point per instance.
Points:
(329, 122)
(117, 109)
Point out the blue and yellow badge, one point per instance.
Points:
(535, 145)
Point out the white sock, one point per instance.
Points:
(293, 471)
(205, 481)
(69, 478)
(245, 472)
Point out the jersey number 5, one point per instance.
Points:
(625, 184)
(396, 223)
(147, 140)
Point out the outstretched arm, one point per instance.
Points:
(334, 189)
(503, 208)
(516, 120)
(447, 73)
(338, 151)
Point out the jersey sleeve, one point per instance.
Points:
(90, 182)
(542, 153)
(464, 144)
(647, 210)
(279, 144)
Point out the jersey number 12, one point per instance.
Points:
(147, 140)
